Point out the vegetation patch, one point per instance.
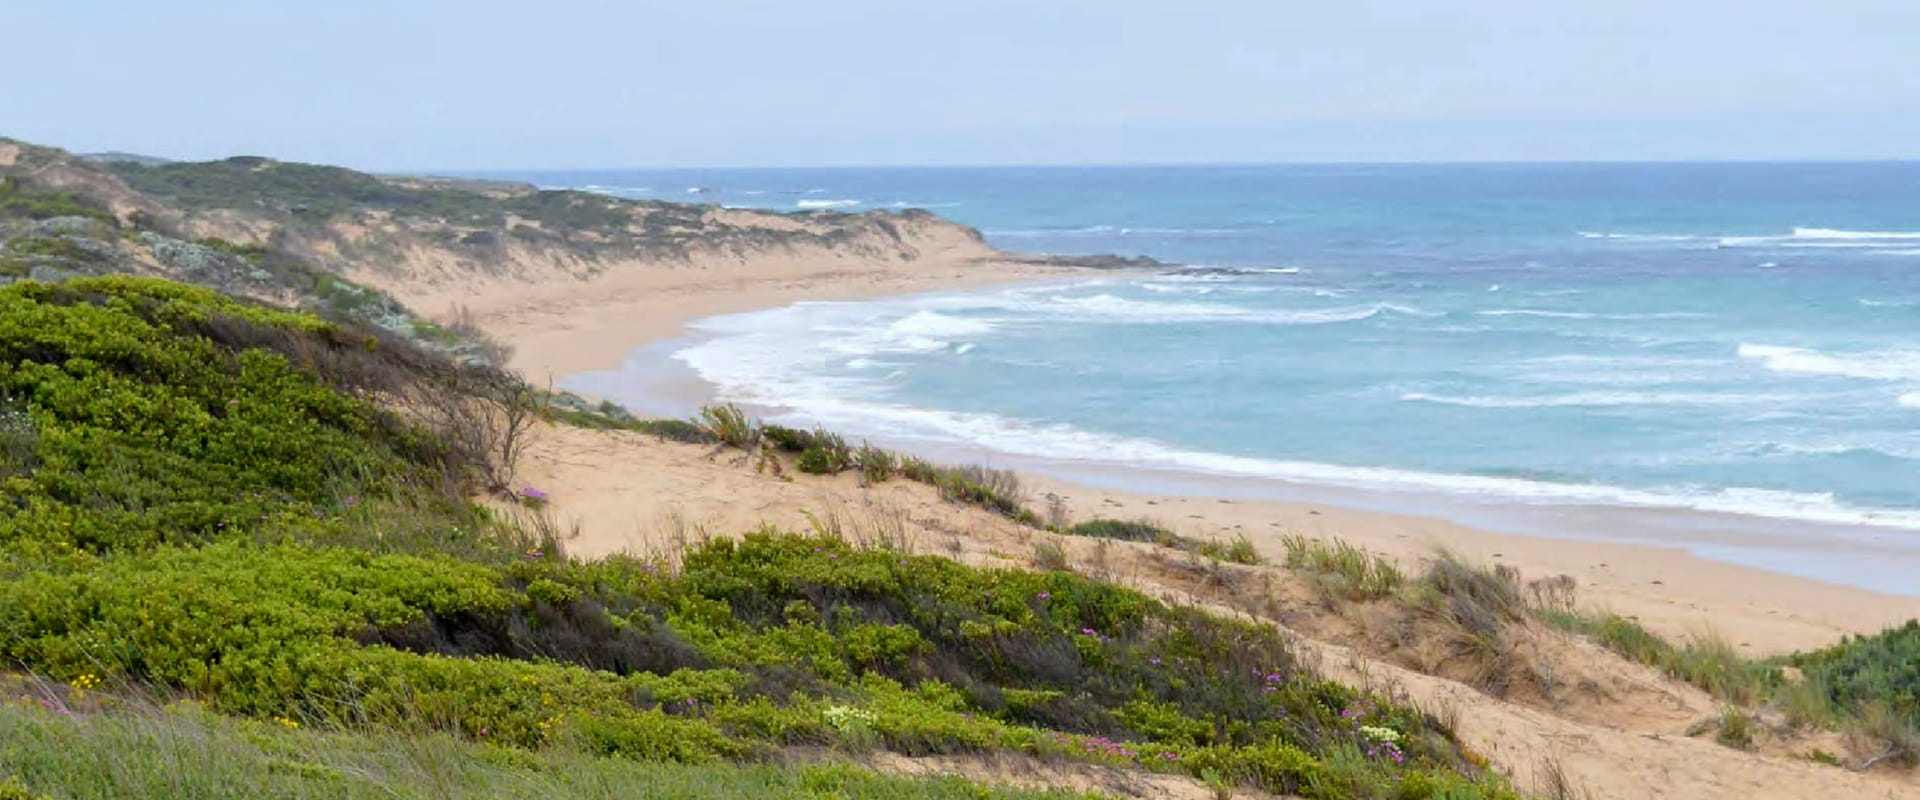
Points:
(1239, 550)
(322, 571)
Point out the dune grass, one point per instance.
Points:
(1868, 686)
(1239, 550)
(1347, 569)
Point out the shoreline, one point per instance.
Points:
(577, 331)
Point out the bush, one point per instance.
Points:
(20, 200)
(1129, 531)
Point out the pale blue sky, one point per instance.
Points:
(571, 83)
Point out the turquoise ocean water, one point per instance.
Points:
(1726, 338)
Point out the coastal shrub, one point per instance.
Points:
(791, 440)
(161, 413)
(1124, 530)
(674, 430)
(17, 199)
(1860, 670)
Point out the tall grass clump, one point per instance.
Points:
(729, 425)
(1347, 569)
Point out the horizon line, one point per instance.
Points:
(1179, 164)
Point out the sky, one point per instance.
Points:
(482, 84)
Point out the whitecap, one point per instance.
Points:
(1885, 365)
(933, 323)
(1592, 399)
(1639, 237)
(1533, 312)
(1110, 230)
(819, 204)
(752, 375)
(1829, 233)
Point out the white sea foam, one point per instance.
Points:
(1885, 365)
(1829, 233)
(750, 371)
(1803, 237)
(1109, 230)
(816, 204)
(933, 323)
(1593, 399)
(1532, 312)
(1106, 307)
(910, 204)
(1164, 288)
(1639, 237)
(616, 190)
(822, 359)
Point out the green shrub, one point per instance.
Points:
(822, 459)
(791, 440)
(1124, 530)
(20, 200)
(1884, 667)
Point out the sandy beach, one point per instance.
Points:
(618, 489)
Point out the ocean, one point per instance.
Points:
(1740, 340)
